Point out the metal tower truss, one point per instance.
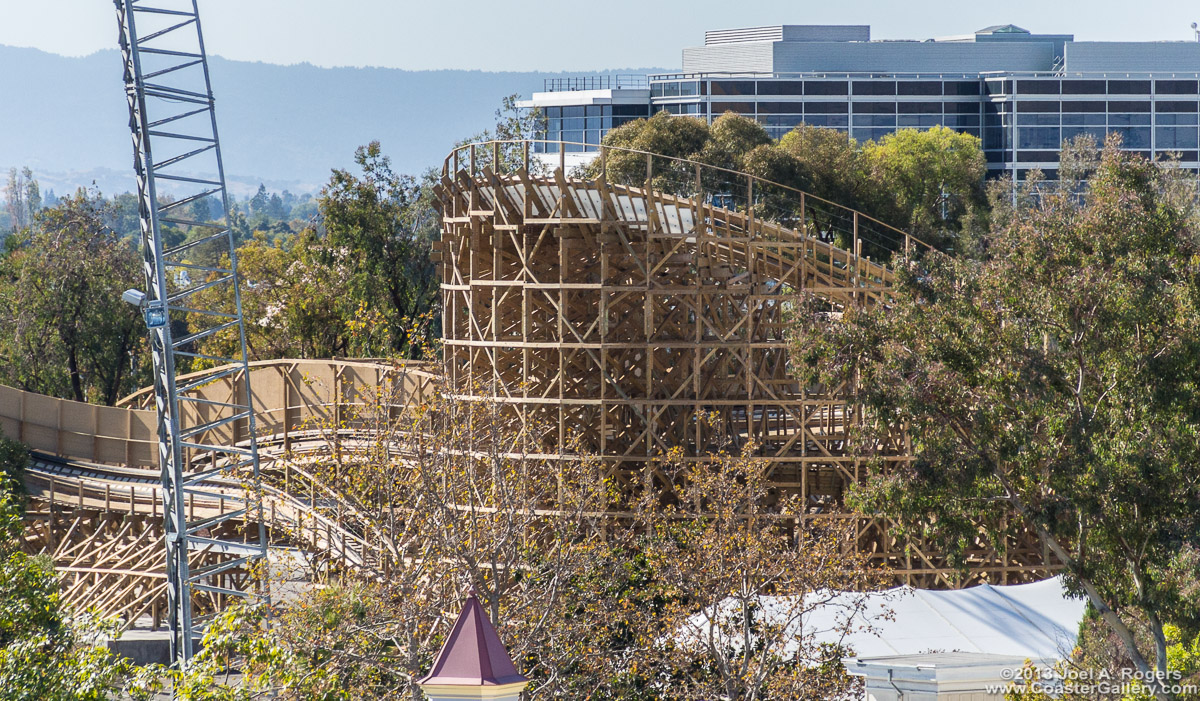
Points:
(207, 447)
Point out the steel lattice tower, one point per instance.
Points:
(207, 449)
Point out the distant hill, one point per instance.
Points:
(66, 118)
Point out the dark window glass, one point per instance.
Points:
(962, 87)
(780, 87)
(572, 135)
(996, 156)
(916, 108)
(973, 131)
(618, 121)
(1175, 106)
(1175, 87)
(593, 110)
(827, 120)
(997, 87)
(1083, 106)
(1128, 87)
(961, 107)
(720, 108)
(875, 108)
(630, 110)
(575, 111)
(1069, 133)
(780, 107)
(1087, 119)
(1128, 119)
(825, 87)
(552, 112)
(961, 120)
(689, 88)
(1037, 106)
(825, 108)
(1175, 138)
(874, 120)
(1036, 119)
(995, 138)
(874, 87)
(574, 123)
(1083, 87)
(781, 120)
(1038, 156)
(733, 87)
(1128, 106)
(871, 134)
(1133, 137)
(921, 87)
(1038, 137)
(918, 121)
(1037, 87)
(1181, 119)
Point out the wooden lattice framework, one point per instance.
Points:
(639, 317)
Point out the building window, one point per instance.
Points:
(1175, 138)
(874, 87)
(1037, 119)
(1084, 119)
(631, 110)
(1039, 137)
(918, 87)
(780, 87)
(733, 87)
(1083, 87)
(825, 87)
(1183, 119)
(918, 121)
(827, 120)
(1037, 106)
(1083, 106)
(720, 108)
(918, 107)
(1128, 119)
(1128, 87)
(780, 107)
(875, 108)
(1175, 87)
(962, 87)
(825, 108)
(1175, 106)
(1037, 87)
(1098, 133)
(1128, 106)
(874, 120)
(1133, 137)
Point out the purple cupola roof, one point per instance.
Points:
(473, 654)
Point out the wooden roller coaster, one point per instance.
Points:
(631, 315)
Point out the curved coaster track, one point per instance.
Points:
(617, 309)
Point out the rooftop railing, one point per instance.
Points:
(597, 82)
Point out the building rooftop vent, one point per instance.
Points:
(790, 32)
(1003, 29)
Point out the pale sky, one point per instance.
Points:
(524, 35)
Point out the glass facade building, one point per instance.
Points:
(1022, 95)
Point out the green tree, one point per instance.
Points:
(378, 228)
(662, 134)
(935, 177)
(1053, 386)
(65, 331)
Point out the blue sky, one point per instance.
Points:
(563, 36)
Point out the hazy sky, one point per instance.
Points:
(527, 35)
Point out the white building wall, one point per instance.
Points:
(1133, 56)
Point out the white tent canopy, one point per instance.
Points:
(1037, 621)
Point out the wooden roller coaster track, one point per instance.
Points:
(630, 317)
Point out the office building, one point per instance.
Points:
(1021, 93)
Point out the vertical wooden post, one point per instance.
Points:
(649, 169)
(525, 156)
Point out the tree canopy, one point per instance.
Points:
(64, 330)
(1051, 387)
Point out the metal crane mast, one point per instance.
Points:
(208, 449)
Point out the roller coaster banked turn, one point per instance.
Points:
(619, 312)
